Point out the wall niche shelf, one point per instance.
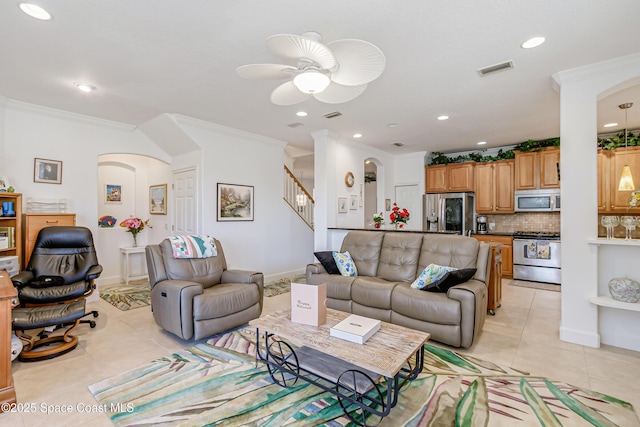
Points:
(614, 242)
(610, 302)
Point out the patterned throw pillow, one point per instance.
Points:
(433, 273)
(345, 263)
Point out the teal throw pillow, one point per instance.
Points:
(345, 263)
(432, 274)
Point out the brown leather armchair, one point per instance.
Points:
(198, 297)
(53, 288)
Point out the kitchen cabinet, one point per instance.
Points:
(610, 164)
(494, 187)
(537, 169)
(34, 222)
(13, 222)
(451, 178)
(506, 251)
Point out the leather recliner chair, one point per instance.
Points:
(198, 297)
(52, 290)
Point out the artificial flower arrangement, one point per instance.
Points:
(634, 200)
(399, 216)
(134, 226)
(378, 220)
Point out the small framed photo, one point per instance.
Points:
(158, 199)
(113, 193)
(342, 205)
(47, 171)
(4, 183)
(387, 204)
(235, 202)
(353, 202)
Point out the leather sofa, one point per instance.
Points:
(388, 262)
(199, 297)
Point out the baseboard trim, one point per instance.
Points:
(576, 336)
(286, 275)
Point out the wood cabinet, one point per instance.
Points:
(537, 169)
(494, 187)
(34, 222)
(14, 222)
(494, 288)
(507, 250)
(610, 164)
(451, 178)
(8, 299)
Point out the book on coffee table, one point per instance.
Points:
(355, 328)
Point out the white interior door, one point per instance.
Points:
(185, 204)
(407, 197)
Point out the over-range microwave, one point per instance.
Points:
(537, 200)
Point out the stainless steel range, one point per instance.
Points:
(536, 256)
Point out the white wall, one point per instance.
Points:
(583, 322)
(78, 141)
(277, 242)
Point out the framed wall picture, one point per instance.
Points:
(112, 193)
(353, 202)
(235, 202)
(47, 171)
(158, 199)
(387, 204)
(361, 195)
(342, 205)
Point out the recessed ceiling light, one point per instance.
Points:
(85, 87)
(443, 117)
(482, 142)
(392, 125)
(35, 11)
(610, 125)
(533, 42)
(301, 114)
(357, 135)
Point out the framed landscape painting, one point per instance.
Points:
(158, 199)
(235, 202)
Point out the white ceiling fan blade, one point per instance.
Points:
(336, 94)
(296, 47)
(288, 94)
(265, 71)
(360, 62)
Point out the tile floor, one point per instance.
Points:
(523, 334)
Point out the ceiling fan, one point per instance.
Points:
(333, 73)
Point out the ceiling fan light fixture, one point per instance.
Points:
(311, 81)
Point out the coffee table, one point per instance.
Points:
(366, 378)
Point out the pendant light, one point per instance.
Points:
(626, 180)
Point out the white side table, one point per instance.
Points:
(126, 264)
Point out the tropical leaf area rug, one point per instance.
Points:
(127, 297)
(282, 286)
(219, 383)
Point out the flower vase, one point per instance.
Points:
(377, 224)
(135, 240)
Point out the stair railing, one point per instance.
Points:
(298, 198)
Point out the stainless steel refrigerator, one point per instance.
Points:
(448, 212)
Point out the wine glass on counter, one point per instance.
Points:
(610, 222)
(629, 223)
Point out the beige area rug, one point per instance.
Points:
(282, 286)
(535, 285)
(126, 297)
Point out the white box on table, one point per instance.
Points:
(357, 329)
(309, 304)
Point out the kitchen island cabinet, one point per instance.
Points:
(494, 187)
(506, 251)
(450, 178)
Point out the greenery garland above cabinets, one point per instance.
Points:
(617, 141)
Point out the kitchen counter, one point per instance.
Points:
(391, 229)
(494, 233)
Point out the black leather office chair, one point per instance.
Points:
(53, 288)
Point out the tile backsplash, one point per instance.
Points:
(525, 221)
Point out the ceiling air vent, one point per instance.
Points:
(295, 125)
(332, 115)
(397, 144)
(497, 67)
